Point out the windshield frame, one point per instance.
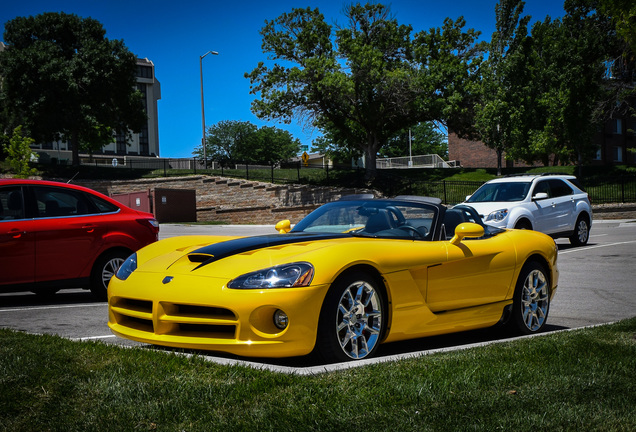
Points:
(359, 213)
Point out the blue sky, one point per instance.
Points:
(174, 34)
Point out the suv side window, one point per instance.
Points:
(11, 203)
(542, 186)
(559, 188)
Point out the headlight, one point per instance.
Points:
(498, 215)
(127, 267)
(283, 276)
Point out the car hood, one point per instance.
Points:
(227, 257)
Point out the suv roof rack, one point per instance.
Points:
(537, 174)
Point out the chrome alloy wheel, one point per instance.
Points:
(359, 319)
(582, 231)
(535, 300)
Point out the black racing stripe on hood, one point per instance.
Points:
(218, 251)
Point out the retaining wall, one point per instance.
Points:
(235, 201)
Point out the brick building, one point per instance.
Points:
(617, 136)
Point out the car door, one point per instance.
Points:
(563, 204)
(17, 240)
(67, 236)
(475, 272)
(542, 208)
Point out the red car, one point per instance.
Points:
(56, 235)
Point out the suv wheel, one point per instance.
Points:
(581, 232)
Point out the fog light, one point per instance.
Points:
(280, 319)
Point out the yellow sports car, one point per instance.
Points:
(351, 275)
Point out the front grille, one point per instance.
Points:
(174, 319)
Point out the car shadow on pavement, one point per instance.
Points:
(567, 246)
(63, 297)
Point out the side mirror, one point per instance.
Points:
(467, 197)
(540, 196)
(467, 229)
(283, 226)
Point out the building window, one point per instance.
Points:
(598, 156)
(144, 71)
(617, 127)
(144, 148)
(120, 140)
(618, 154)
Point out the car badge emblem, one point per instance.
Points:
(167, 279)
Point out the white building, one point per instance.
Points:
(144, 143)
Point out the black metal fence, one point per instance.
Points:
(607, 190)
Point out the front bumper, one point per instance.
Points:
(197, 312)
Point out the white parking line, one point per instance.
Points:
(586, 248)
(80, 339)
(53, 307)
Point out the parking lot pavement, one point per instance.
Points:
(595, 287)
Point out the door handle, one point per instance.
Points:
(16, 233)
(89, 227)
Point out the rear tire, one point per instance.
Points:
(581, 232)
(104, 269)
(531, 301)
(352, 319)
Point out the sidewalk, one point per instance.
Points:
(614, 211)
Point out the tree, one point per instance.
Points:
(19, 153)
(227, 141)
(64, 79)
(272, 145)
(339, 154)
(502, 115)
(573, 97)
(364, 83)
(623, 14)
(425, 139)
(231, 142)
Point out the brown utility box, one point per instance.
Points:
(168, 205)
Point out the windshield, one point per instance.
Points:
(501, 192)
(372, 218)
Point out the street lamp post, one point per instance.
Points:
(205, 153)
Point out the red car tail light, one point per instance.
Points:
(150, 223)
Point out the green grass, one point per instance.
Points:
(579, 380)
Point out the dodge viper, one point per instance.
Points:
(351, 275)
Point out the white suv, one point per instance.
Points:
(553, 204)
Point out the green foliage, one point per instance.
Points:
(20, 154)
(425, 140)
(504, 110)
(231, 142)
(567, 381)
(544, 94)
(63, 79)
(363, 84)
(623, 14)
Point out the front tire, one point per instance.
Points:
(581, 232)
(104, 269)
(352, 319)
(531, 302)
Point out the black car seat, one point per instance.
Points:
(452, 218)
(379, 221)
